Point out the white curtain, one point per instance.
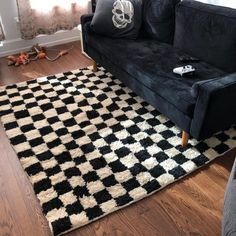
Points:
(49, 16)
(2, 36)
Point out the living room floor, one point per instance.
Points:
(192, 206)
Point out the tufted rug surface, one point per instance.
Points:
(90, 146)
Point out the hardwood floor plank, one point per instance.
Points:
(192, 206)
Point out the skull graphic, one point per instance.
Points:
(123, 12)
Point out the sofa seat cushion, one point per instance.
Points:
(151, 63)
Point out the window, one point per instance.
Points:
(48, 5)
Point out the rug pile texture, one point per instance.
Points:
(91, 146)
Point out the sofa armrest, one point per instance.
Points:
(215, 108)
(85, 20)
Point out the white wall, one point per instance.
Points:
(225, 3)
(14, 43)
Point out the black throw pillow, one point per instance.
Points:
(118, 18)
(159, 19)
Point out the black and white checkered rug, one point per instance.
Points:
(91, 146)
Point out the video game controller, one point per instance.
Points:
(185, 70)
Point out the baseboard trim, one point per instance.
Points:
(11, 47)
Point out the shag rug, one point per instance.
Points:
(91, 146)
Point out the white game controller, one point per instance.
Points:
(184, 70)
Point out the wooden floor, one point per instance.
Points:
(192, 206)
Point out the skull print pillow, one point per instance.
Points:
(118, 18)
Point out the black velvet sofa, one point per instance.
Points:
(200, 106)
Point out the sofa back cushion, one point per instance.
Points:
(159, 19)
(207, 32)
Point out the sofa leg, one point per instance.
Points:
(95, 67)
(185, 138)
